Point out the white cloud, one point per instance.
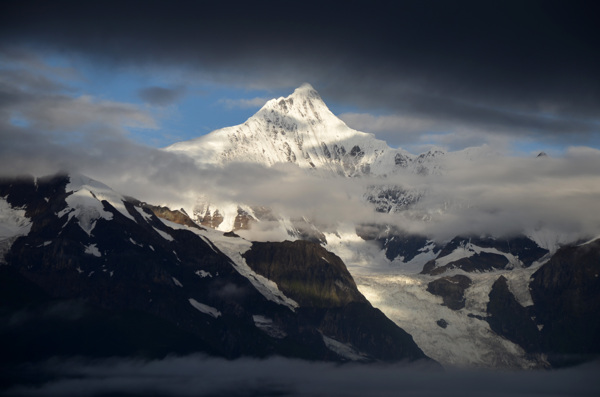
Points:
(386, 123)
(244, 103)
(65, 113)
(492, 195)
(418, 134)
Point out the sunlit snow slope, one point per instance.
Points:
(299, 129)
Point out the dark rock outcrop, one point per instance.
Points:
(319, 281)
(451, 289)
(508, 318)
(306, 272)
(566, 296)
(133, 268)
(442, 323)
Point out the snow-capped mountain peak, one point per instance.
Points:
(298, 129)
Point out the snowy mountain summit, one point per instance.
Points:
(300, 129)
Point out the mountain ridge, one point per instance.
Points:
(83, 253)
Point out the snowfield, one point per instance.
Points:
(13, 223)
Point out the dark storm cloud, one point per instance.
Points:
(514, 67)
(161, 96)
(203, 376)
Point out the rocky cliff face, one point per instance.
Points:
(307, 272)
(328, 296)
(508, 318)
(566, 294)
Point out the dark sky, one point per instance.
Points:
(467, 71)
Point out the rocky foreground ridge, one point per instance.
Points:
(89, 272)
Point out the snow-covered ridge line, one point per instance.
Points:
(469, 250)
(85, 202)
(234, 247)
(298, 129)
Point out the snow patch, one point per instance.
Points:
(85, 202)
(201, 307)
(589, 241)
(143, 213)
(344, 350)
(177, 283)
(13, 224)
(164, 235)
(266, 325)
(86, 208)
(93, 250)
(202, 273)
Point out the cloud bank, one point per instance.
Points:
(202, 376)
(45, 128)
(244, 103)
(161, 96)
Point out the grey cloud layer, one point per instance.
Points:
(509, 67)
(161, 96)
(202, 376)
